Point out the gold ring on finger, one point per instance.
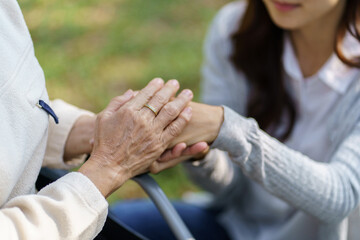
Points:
(151, 108)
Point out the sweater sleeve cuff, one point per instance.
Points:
(86, 189)
(232, 137)
(58, 134)
(214, 172)
(208, 161)
(91, 203)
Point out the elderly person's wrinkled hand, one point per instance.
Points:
(130, 135)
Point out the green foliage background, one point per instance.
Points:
(93, 50)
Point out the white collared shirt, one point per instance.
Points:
(316, 96)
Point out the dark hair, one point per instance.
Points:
(257, 52)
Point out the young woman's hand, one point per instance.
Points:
(179, 153)
(129, 137)
(204, 125)
(194, 141)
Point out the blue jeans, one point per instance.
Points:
(143, 217)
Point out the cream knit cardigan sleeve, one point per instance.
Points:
(58, 134)
(70, 208)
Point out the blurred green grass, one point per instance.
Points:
(93, 50)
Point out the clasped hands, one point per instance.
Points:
(148, 131)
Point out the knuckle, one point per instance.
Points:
(184, 118)
(160, 99)
(101, 117)
(127, 110)
(116, 99)
(183, 99)
(113, 100)
(174, 129)
(170, 110)
(146, 92)
(143, 122)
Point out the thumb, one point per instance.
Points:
(119, 101)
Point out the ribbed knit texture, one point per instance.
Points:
(284, 194)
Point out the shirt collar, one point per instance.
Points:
(334, 73)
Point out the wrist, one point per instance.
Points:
(104, 176)
(204, 125)
(207, 120)
(215, 123)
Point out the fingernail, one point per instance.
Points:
(188, 110)
(128, 93)
(188, 92)
(174, 82)
(159, 81)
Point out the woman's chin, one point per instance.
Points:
(288, 24)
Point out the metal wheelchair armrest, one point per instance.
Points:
(163, 204)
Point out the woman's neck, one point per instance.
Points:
(314, 43)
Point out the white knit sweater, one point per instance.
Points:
(70, 208)
(266, 189)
